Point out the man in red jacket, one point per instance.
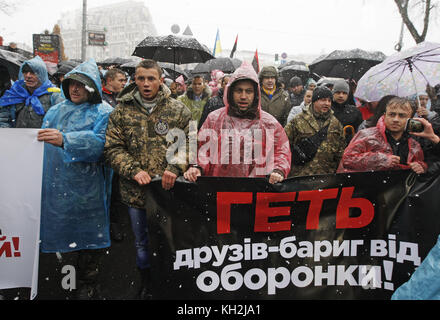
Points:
(388, 146)
(240, 139)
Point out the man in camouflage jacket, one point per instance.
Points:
(136, 147)
(308, 123)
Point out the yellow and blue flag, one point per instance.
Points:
(217, 45)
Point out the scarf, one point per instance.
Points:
(19, 94)
(270, 93)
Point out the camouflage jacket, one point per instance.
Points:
(330, 151)
(195, 106)
(136, 140)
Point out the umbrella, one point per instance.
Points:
(12, 61)
(291, 63)
(65, 66)
(347, 64)
(292, 70)
(225, 64)
(403, 74)
(171, 70)
(173, 49)
(115, 61)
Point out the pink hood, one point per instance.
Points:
(266, 131)
(244, 72)
(369, 150)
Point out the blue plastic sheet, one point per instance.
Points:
(76, 183)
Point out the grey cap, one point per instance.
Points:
(295, 81)
(341, 86)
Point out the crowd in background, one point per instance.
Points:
(105, 139)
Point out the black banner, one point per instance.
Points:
(342, 236)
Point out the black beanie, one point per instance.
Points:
(321, 92)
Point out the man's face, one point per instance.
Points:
(243, 94)
(340, 97)
(423, 101)
(180, 89)
(322, 105)
(173, 88)
(77, 91)
(148, 82)
(198, 86)
(308, 97)
(396, 116)
(117, 83)
(312, 86)
(225, 82)
(269, 83)
(31, 80)
(297, 89)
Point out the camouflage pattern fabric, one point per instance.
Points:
(195, 106)
(136, 140)
(330, 151)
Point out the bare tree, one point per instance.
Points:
(426, 6)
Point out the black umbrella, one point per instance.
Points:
(295, 70)
(12, 61)
(66, 66)
(291, 63)
(347, 64)
(115, 61)
(173, 49)
(169, 68)
(224, 64)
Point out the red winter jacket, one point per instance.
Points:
(369, 150)
(245, 154)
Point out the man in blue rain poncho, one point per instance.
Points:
(27, 101)
(76, 184)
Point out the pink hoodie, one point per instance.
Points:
(369, 150)
(256, 147)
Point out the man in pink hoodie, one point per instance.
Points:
(388, 146)
(240, 139)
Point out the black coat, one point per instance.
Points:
(213, 103)
(347, 115)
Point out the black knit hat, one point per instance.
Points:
(321, 92)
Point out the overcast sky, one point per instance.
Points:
(271, 26)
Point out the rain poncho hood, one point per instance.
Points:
(18, 92)
(85, 73)
(76, 184)
(262, 134)
(369, 150)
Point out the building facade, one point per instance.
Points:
(124, 24)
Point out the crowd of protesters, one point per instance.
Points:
(106, 138)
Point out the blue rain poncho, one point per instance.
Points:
(424, 283)
(76, 184)
(19, 94)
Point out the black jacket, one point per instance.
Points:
(348, 115)
(213, 103)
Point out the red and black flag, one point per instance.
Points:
(255, 62)
(234, 48)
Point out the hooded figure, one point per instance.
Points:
(370, 150)
(25, 106)
(259, 143)
(76, 184)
